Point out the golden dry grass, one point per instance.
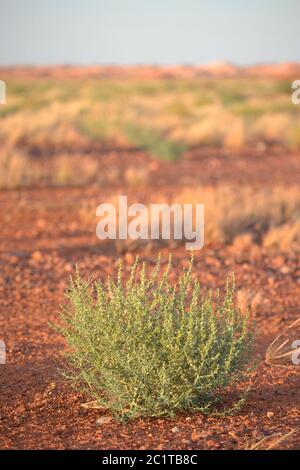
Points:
(77, 170)
(246, 218)
(13, 169)
(231, 113)
(249, 299)
(18, 170)
(230, 213)
(271, 442)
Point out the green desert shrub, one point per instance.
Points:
(95, 129)
(293, 140)
(154, 142)
(146, 347)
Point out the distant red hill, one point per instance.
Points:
(216, 69)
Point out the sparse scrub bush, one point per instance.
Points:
(18, 170)
(248, 298)
(9, 110)
(150, 348)
(74, 170)
(245, 218)
(203, 99)
(179, 109)
(248, 110)
(15, 170)
(158, 145)
(257, 213)
(230, 98)
(283, 87)
(236, 136)
(285, 237)
(273, 127)
(95, 129)
(206, 133)
(293, 140)
(135, 176)
(229, 214)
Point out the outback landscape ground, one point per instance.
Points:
(72, 139)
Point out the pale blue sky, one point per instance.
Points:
(148, 31)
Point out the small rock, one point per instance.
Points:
(204, 434)
(129, 258)
(212, 444)
(278, 262)
(103, 420)
(14, 260)
(68, 268)
(285, 269)
(195, 436)
(175, 429)
(41, 223)
(36, 256)
(185, 441)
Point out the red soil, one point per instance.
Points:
(43, 237)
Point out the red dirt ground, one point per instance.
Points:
(43, 237)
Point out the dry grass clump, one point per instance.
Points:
(284, 238)
(16, 170)
(294, 136)
(283, 352)
(136, 176)
(229, 214)
(19, 170)
(257, 212)
(249, 299)
(273, 127)
(272, 441)
(214, 127)
(73, 170)
(51, 127)
(245, 219)
(236, 137)
(157, 144)
(13, 169)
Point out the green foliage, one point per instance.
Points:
(294, 137)
(31, 96)
(284, 87)
(9, 110)
(94, 129)
(231, 98)
(150, 348)
(203, 99)
(179, 109)
(154, 142)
